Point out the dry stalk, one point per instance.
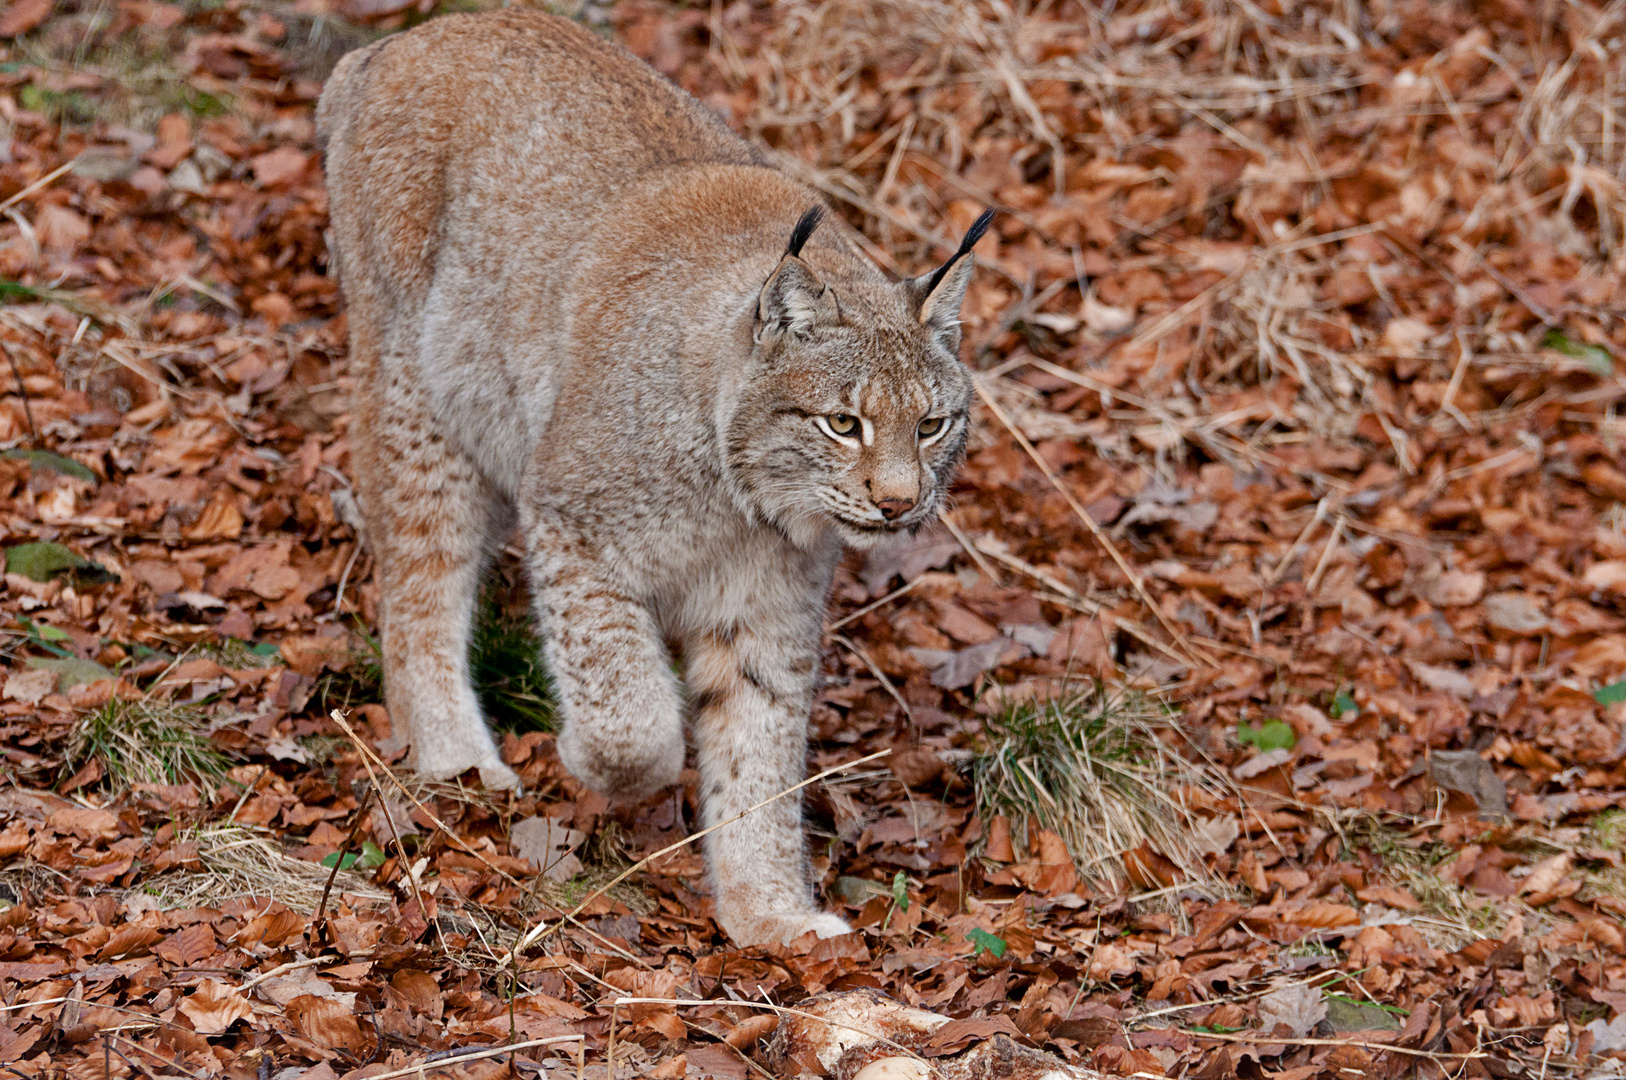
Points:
(320, 919)
(867, 608)
(1314, 579)
(42, 182)
(1202, 659)
(970, 548)
(395, 834)
(1267, 1039)
(488, 1052)
(282, 969)
(875, 669)
(241, 862)
(1316, 519)
(1069, 597)
(780, 1010)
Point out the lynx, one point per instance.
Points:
(580, 305)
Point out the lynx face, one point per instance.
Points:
(856, 418)
(855, 426)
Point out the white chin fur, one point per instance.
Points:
(864, 539)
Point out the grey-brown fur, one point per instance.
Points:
(571, 307)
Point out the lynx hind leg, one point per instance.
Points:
(432, 521)
(623, 714)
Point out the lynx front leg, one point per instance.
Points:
(623, 730)
(431, 519)
(752, 690)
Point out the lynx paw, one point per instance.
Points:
(780, 927)
(498, 777)
(628, 770)
(445, 763)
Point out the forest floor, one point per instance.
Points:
(1257, 710)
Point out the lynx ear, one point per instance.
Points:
(793, 299)
(937, 296)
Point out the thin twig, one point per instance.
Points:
(1072, 598)
(867, 608)
(1292, 552)
(320, 919)
(1326, 555)
(338, 597)
(36, 185)
(156, 1057)
(22, 392)
(541, 929)
(280, 969)
(477, 1055)
(970, 548)
(31, 1004)
(404, 862)
(1095, 530)
(248, 789)
(1265, 1039)
(467, 848)
(875, 669)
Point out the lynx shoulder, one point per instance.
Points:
(581, 307)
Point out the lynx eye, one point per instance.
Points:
(930, 426)
(842, 423)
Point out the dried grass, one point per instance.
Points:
(240, 862)
(142, 78)
(148, 741)
(489, 933)
(29, 881)
(1602, 879)
(1090, 766)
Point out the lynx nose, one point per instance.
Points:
(892, 508)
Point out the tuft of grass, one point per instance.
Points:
(27, 881)
(237, 862)
(58, 107)
(147, 742)
(1089, 766)
(143, 72)
(240, 655)
(506, 661)
(1449, 916)
(1601, 879)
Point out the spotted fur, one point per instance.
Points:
(580, 304)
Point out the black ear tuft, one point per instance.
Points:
(804, 230)
(972, 235)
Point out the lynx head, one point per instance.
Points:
(855, 416)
